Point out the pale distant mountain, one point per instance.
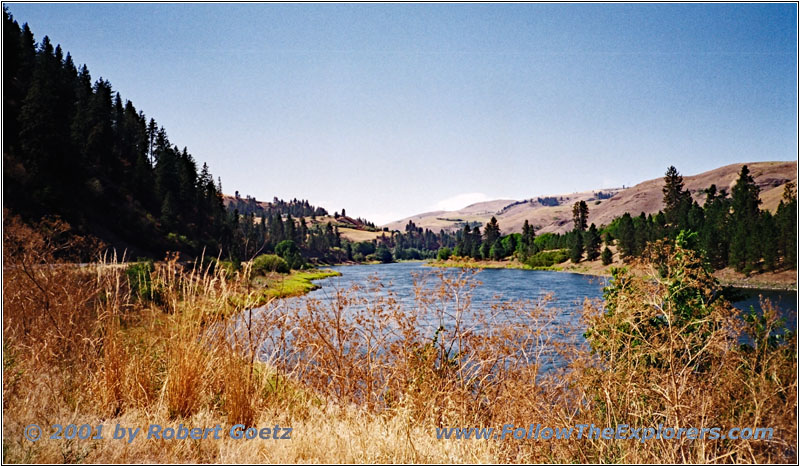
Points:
(554, 213)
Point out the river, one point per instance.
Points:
(568, 290)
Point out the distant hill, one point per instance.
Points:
(554, 213)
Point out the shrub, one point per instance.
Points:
(364, 248)
(140, 281)
(497, 252)
(288, 250)
(265, 264)
(668, 352)
(545, 259)
(444, 254)
(230, 267)
(383, 254)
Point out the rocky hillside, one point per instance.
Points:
(554, 213)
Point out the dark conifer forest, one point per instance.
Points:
(73, 147)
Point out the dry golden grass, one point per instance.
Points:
(359, 382)
(355, 235)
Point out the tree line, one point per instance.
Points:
(295, 207)
(74, 148)
(729, 230)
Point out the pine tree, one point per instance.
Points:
(168, 211)
(607, 256)
(527, 244)
(768, 240)
(744, 248)
(492, 232)
(485, 250)
(476, 242)
(290, 230)
(580, 215)
(592, 241)
(786, 220)
(626, 237)
(714, 237)
(497, 251)
(42, 136)
(576, 248)
(476, 251)
(640, 233)
(677, 201)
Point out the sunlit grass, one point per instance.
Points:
(294, 284)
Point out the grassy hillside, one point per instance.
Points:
(554, 213)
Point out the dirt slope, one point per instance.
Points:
(554, 213)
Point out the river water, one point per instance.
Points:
(565, 294)
(568, 291)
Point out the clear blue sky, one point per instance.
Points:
(390, 110)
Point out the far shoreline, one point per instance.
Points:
(773, 281)
(726, 277)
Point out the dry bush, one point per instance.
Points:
(668, 352)
(50, 311)
(363, 378)
(442, 361)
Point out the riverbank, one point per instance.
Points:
(181, 357)
(780, 280)
(294, 284)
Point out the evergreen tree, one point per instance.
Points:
(580, 215)
(576, 248)
(714, 232)
(626, 237)
(168, 212)
(485, 250)
(677, 201)
(290, 230)
(640, 233)
(476, 251)
(744, 248)
(497, 251)
(768, 240)
(592, 241)
(607, 256)
(492, 232)
(527, 244)
(786, 223)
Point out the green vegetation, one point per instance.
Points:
(266, 264)
(383, 254)
(294, 284)
(139, 278)
(607, 256)
(547, 259)
(592, 242)
(732, 231)
(576, 249)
